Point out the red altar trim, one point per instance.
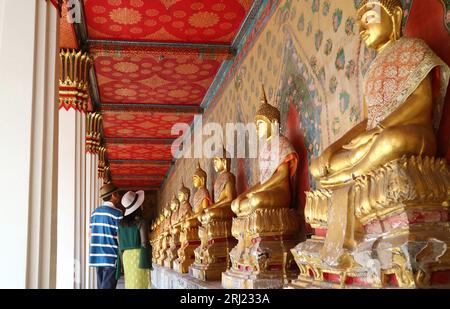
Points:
(329, 277)
(440, 277)
(195, 242)
(403, 219)
(219, 240)
(335, 278)
(356, 281)
(273, 238)
(320, 232)
(390, 280)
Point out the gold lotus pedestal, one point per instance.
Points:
(174, 245)
(212, 256)
(262, 259)
(189, 241)
(389, 228)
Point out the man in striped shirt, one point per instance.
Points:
(104, 246)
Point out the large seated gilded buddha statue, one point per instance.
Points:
(212, 256)
(266, 227)
(381, 213)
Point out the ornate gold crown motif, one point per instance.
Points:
(222, 153)
(184, 190)
(267, 111)
(174, 199)
(388, 5)
(200, 172)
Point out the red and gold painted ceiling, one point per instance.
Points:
(166, 20)
(140, 124)
(130, 168)
(154, 61)
(142, 78)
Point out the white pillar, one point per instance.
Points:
(96, 201)
(28, 126)
(80, 200)
(66, 198)
(89, 193)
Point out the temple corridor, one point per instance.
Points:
(267, 144)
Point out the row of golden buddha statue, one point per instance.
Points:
(380, 215)
(246, 237)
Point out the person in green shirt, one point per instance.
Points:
(134, 245)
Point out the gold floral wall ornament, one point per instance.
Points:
(93, 132)
(74, 79)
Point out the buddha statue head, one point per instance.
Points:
(167, 211)
(380, 22)
(222, 161)
(174, 203)
(183, 194)
(267, 117)
(199, 177)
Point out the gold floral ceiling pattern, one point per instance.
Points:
(158, 20)
(154, 62)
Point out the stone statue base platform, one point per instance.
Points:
(234, 280)
(202, 272)
(168, 263)
(165, 278)
(160, 262)
(182, 265)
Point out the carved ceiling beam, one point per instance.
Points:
(139, 107)
(127, 188)
(139, 177)
(140, 161)
(160, 49)
(139, 140)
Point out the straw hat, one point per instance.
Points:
(132, 201)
